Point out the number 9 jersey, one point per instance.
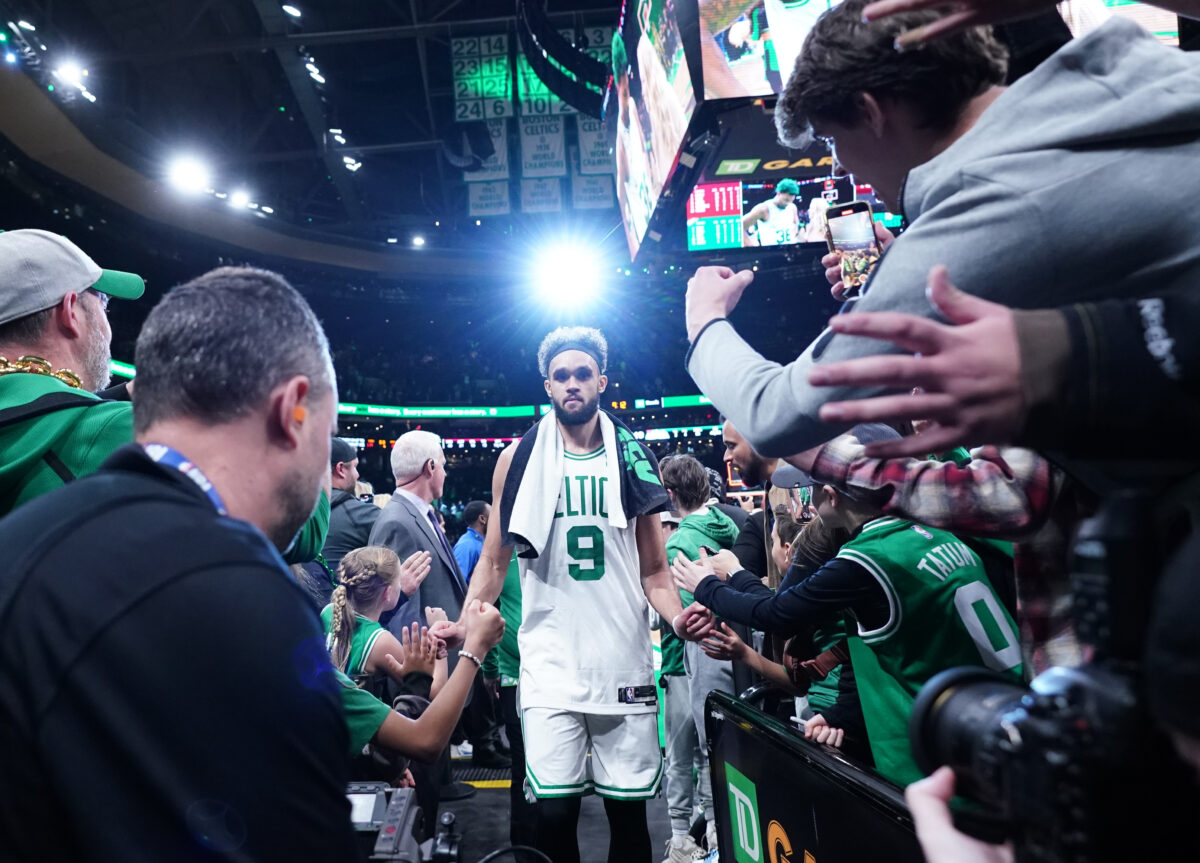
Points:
(585, 638)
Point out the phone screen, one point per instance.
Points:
(853, 235)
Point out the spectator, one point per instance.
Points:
(53, 313)
(920, 597)
(981, 167)
(350, 519)
(53, 306)
(700, 526)
(470, 544)
(164, 561)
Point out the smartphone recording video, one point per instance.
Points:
(851, 233)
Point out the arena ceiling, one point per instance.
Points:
(279, 105)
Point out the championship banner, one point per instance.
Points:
(591, 193)
(488, 199)
(541, 196)
(482, 77)
(543, 147)
(495, 167)
(594, 154)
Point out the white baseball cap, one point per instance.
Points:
(38, 269)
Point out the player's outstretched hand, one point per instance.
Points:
(957, 15)
(485, 627)
(928, 801)
(694, 623)
(413, 571)
(832, 262)
(969, 372)
(688, 573)
(713, 293)
(818, 728)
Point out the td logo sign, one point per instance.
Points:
(743, 815)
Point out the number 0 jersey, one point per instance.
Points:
(584, 637)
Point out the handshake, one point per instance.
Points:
(478, 630)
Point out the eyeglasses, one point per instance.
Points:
(102, 297)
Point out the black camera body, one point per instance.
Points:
(1072, 768)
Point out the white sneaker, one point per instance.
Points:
(710, 835)
(462, 750)
(682, 849)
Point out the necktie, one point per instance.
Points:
(437, 528)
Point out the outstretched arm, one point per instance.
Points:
(656, 574)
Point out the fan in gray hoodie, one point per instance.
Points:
(1075, 184)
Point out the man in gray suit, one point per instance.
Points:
(408, 524)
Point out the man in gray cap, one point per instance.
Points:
(54, 357)
(350, 519)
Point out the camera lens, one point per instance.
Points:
(954, 722)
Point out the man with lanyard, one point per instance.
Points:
(158, 659)
(579, 498)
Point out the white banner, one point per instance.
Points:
(543, 147)
(489, 199)
(594, 155)
(496, 166)
(591, 193)
(541, 196)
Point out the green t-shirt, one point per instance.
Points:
(78, 437)
(366, 632)
(364, 712)
(944, 614)
(714, 529)
(81, 438)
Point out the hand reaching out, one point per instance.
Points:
(969, 372)
(713, 292)
(420, 650)
(723, 643)
(413, 571)
(693, 623)
(687, 574)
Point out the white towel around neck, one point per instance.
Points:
(537, 497)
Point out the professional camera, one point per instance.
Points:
(1071, 769)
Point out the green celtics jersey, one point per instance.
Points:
(362, 640)
(943, 613)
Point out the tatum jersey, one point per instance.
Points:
(584, 637)
(943, 614)
(780, 227)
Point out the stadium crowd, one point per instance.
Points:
(212, 625)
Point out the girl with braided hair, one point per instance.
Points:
(369, 584)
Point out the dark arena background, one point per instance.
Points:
(445, 182)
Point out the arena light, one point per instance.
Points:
(10, 57)
(239, 199)
(71, 73)
(188, 174)
(418, 241)
(25, 25)
(291, 10)
(567, 275)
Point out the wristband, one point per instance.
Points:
(472, 657)
(674, 621)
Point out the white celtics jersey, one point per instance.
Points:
(584, 636)
(780, 227)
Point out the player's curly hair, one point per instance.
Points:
(362, 575)
(556, 341)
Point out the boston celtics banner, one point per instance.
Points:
(543, 147)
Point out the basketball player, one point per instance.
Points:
(775, 222)
(580, 498)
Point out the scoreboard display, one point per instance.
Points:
(714, 216)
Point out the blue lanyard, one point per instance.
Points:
(163, 454)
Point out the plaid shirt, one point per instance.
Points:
(1002, 493)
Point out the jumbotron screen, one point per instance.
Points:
(737, 214)
(749, 48)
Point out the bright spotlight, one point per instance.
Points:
(188, 174)
(320, 79)
(567, 275)
(239, 199)
(418, 241)
(25, 25)
(70, 73)
(291, 10)
(10, 57)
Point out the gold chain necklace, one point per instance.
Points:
(37, 366)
